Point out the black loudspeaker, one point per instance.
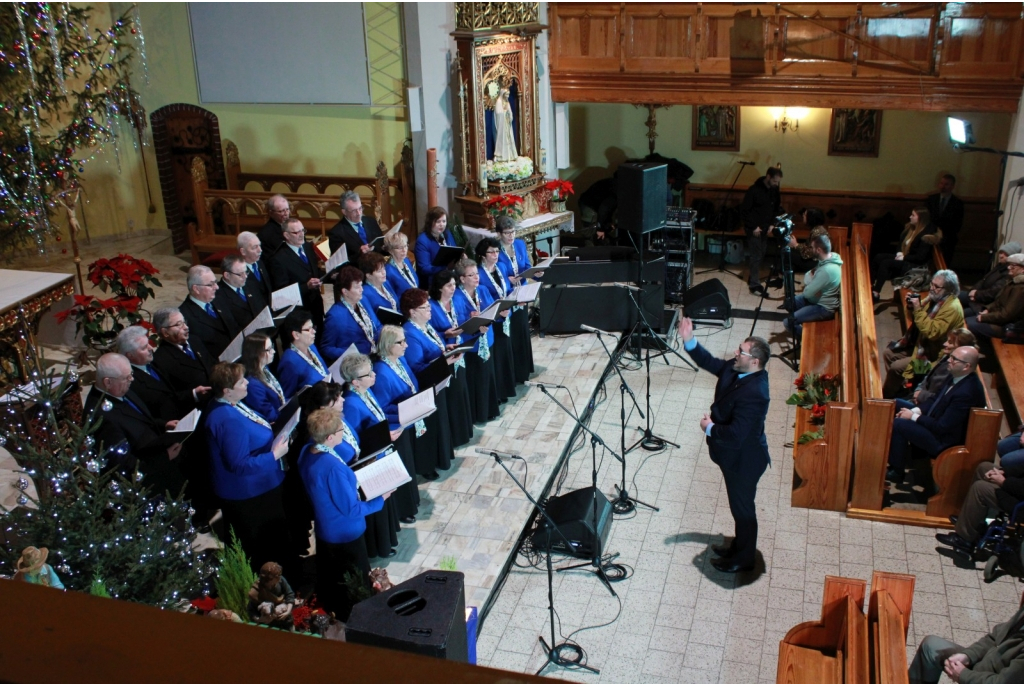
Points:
(643, 196)
(603, 254)
(707, 300)
(573, 513)
(424, 615)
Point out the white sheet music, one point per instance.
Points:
(538, 267)
(416, 407)
(528, 292)
(339, 257)
(234, 350)
(491, 311)
(288, 428)
(335, 368)
(187, 423)
(284, 313)
(264, 320)
(442, 385)
(285, 297)
(383, 475)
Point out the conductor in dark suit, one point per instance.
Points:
(941, 422)
(231, 294)
(354, 230)
(947, 212)
(183, 364)
(270, 234)
(149, 384)
(209, 321)
(257, 283)
(735, 437)
(296, 262)
(129, 435)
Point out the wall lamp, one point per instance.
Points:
(787, 117)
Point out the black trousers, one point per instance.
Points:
(333, 561)
(262, 528)
(741, 487)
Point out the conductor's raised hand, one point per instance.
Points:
(685, 329)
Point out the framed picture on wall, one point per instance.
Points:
(716, 127)
(855, 132)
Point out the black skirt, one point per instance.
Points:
(333, 562)
(407, 497)
(460, 412)
(434, 448)
(483, 390)
(262, 528)
(382, 530)
(504, 371)
(522, 346)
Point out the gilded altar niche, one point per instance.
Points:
(497, 104)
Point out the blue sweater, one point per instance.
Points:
(262, 399)
(487, 283)
(341, 330)
(339, 514)
(397, 281)
(294, 372)
(441, 323)
(426, 249)
(421, 350)
(522, 257)
(357, 415)
(390, 389)
(372, 299)
(464, 307)
(241, 463)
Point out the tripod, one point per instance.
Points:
(721, 268)
(623, 504)
(595, 440)
(553, 652)
(783, 267)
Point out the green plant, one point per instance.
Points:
(456, 228)
(98, 588)
(815, 389)
(811, 436)
(355, 587)
(448, 563)
(234, 578)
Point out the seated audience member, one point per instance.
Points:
(1011, 453)
(992, 488)
(161, 400)
(937, 375)
(246, 470)
(1008, 307)
(985, 290)
(401, 274)
(802, 254)
(339, 513)
(184, 364)
(916, 243)
(435, 235)
(995, 658)
(208, 320)
(376, 291)
(351, 320)
(822, 284)
(933, 319)
(301, 363)
(257, 283)
(266, 396)
(231, 294)
(942, 422)
(129, 436)
(271, 234)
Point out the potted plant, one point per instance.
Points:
(560, 192)
(504, 205)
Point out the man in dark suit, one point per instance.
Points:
(941, 422)
(131, 436)
(735, 437)
(231, 294)
(355, 231)
(209, 321)
(257, 283)
(149, 384)
(183, 364)
(947, 212)
(278, 212)
(296, 262)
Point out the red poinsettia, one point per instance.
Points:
(559, 189)
(818, 411)
(505, 205)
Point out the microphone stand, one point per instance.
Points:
(552, 652)
(721, 268)
(596, 552)
(623, 504)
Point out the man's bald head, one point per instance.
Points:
(113, 374)
(963, 361)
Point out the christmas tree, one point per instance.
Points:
(97, 523)
(65, 91)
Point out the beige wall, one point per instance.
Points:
(914, 149)
(319, 139)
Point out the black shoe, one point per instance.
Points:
(392, 553)
(953, 518)
(408, 520)
(722, 551)
(756, 289)
(433, 475)
(875, 298)
(895, 476)
(775, 283)
(955, 541)
(727, 566)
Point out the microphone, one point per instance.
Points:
(627, 286)
(535, 384)
(491, 453)
(591, 329)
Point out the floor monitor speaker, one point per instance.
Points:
(707, 301)
(642, 196)
(424, 615)
(573, 513)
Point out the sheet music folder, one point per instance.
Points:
(446, 255)
(372, 441)
(435, 372)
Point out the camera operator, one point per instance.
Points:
(761, 204)
(820, 298)
(803, 253)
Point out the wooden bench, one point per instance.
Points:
(1011, 374)
(892, 597)
(821, 468)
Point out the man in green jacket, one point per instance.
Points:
(822, 284)
(996, 658)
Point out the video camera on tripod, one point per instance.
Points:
(784, 228)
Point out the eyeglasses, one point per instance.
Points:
(957, 359)
(401, 342)
(207, 285)
(744, 354)
(269, 349)
(244, 274)
(307, 330)
(424, 306)
(298, 232)
(176, 325)
(936, 286)
(365, 375)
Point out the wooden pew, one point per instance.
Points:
(892, 597)
(833, 649)
(822, 467)
(1011, 374)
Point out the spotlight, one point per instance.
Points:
(960, 131)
